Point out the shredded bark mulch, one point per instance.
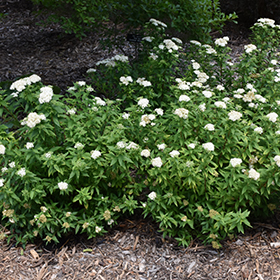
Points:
(134, 249)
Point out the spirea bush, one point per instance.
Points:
(187, 137)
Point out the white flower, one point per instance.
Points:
(189, 163)
(272, 116)
(33, 119)
(2, 182)
(29, 145)
(273, 61)
(277, 132)
(148, 39)
(62, 186)
(161, 146)
(265, 21)
(159, 111)
(182, 113)
(202, 107)
(207, 93)
(235, 162)
(91, 70)
(192, 145)
(95, 154)
(184, 98)
(126, 80)
(21, 172)
(208, 146)
(195, 42)
(111, 221)
(258, 130)
(43, 209)
(4, 169)
(157, 162)
(152, 195)
(220, 87)
(174, 153)
(156, 22)
(222, 41)
(209, 127)
(195, 65)
(240, 90)
(182, 85)
(79, 146)
(177, 40)
(220, 104)
(121, 144)
(277, 160)
(81, 83)
(143, 82)
(249, 48)
(126, 116)
(153, 56)
(132, 145)
(170, 45)
(145, 153)
(34, 78)
(201, 76)
(46, 94)
(98, 229)
(99, 101)
(12, 164)
(71, 111)
(253, 174)
(15, 94)
(143, 102)
(234, 115)
(48, 155)
(2, 149)
(196, 84)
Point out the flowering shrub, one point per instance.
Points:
(192, 140)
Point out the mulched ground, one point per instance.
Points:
(133, 249)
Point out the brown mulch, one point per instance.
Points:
(133, 249)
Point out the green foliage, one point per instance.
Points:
(189, 138)
(115, 18)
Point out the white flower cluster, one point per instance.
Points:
(202, 107)
(20, 85)
(159, 111)
(220, 87)
(79, 146)
(143, 82)
(29, 145)
(192, 145)
(126, 116)
(184, 97)
(183, 85)
(146, 119)
(95, 154)
(156, 22)
(207, 93)
(153, 56)
(222, 41)
(182, 113)
(234, 115)
(235, 162)
(174, 153)
(277, 160)
(195, 65)
(208, 146)
(148, 39)
(259, 130)
(46, 94)
(201, 76)
(272, 117)
(253, 174)
(196, 43)
(209, 127)
(112, 61)
(32, 119)
(2, 182)
(265, 21)
(132, 145)
(220, 104)
(152, 195)
(21, 172)
(169, 44)
(71, 111)
(62, 186)
(249, 48)
(126, 80)
(277, 78)
(48, 155)
(209, 49)
(2, 149)
(161, 146)
(98, 229)
(99, 101)
(91, 70)
(157, 162)
(145, 153)
(121, 144)
(143, 102)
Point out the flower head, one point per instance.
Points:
(126, 80)
(234, 115)
(21, 172)
(145, 153)
(209, 127)
(2, 149)
(152, 195)
(272, 116)
(253, 174)
(184, 97)
(143, 102)
(29, 145)
(46, 94)
(235, 162)
(182, 113)
(62, 186)
(222, 41)
(208, 146)
(174, 153)
(95, 154)
(157, 162)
